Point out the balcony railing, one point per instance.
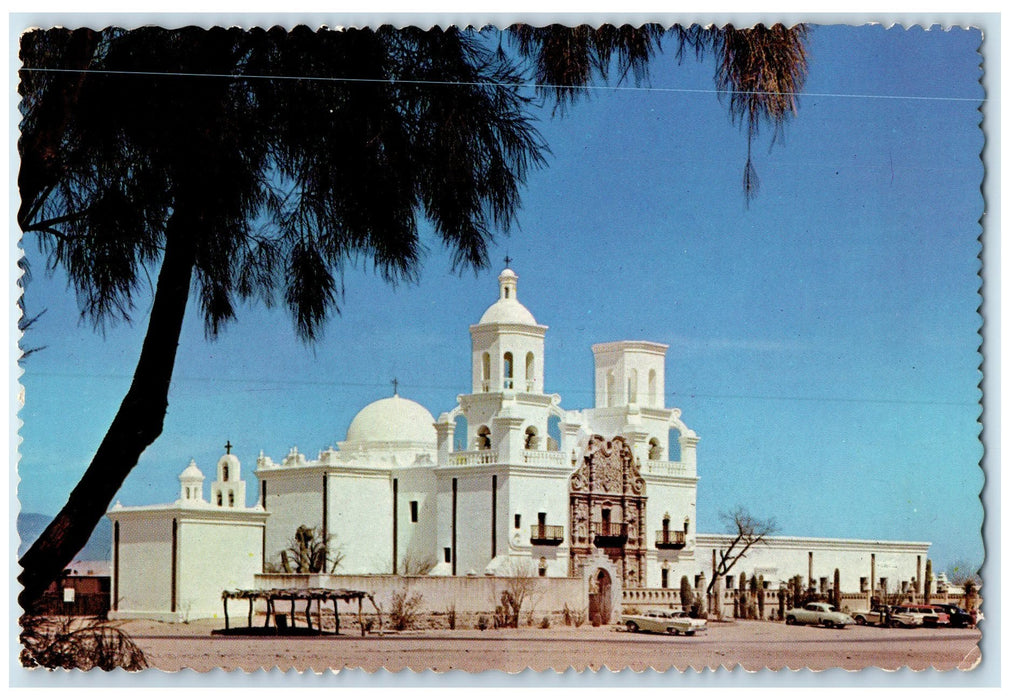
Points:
(670, 539)
(472, 458)
(547, 534)
(612, 534)
(544, 458)
(661, 467)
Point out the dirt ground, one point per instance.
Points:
(754, 645)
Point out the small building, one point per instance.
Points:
(171, 562)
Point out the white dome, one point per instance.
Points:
(191, 472)
(393, 419)
(508, 309)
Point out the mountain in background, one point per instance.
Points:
(31, 525)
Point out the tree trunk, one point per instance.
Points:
(137, 424)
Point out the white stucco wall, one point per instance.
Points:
(360, 513)
(216, 549)
(416, 542)
(294, 498)
(145, 565)
(213, 557)
(781, 558)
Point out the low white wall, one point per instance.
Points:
(467, 594)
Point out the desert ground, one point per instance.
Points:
(753, 644)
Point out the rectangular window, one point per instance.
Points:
(541, 519)
(263, 492)
(413, 511)
(863, 584)
(664, 578)
(448, 555)
(605, 514)
(729, 583)
(519, 521)
(697, 581)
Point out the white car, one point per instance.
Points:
(664, 622)
(818, 614)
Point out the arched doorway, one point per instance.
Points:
(600, 597)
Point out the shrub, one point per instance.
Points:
(482, 623)
(451, 616)
(545, 623)
(403, 612)
(78, 643)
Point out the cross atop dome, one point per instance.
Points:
(395, 384)
(508, 260)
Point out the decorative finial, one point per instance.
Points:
(227, 447)
(395, 384)
(508, 260)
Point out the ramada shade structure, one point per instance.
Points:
(293, 595)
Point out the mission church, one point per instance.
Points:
(606, 494)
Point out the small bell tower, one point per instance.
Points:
(228, 491)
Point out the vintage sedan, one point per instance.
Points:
(818, 614)
(663, 622)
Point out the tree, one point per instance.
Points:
(747, 532)
(177, 150)
(686, 593)
(308, 552)
(243, 187)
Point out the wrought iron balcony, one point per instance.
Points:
(547, 534)
(670, 539)
(609, 534)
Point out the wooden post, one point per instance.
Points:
(270, 609)
(250, 612)
(308, 613)
(293, 625)
(319, 614)
(225, 598)
(336, 617)
(361, 623)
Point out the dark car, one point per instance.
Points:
(959, 617)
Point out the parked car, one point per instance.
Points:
(663, 622)
(913, 616)
(959, 617)
(935, 616)
(818, 614)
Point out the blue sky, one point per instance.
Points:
(823, 341)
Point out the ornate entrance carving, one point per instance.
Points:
(607, 510)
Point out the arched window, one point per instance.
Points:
(633, 386)
(459, 434)
(655, 449)
(485, 370)
(484, 438)
(231, 499)
(674, 450)
(220, 501)
(554, 433)
(652, 388)
(224, 473)
(508, 370)
(187, 493)
(529, 371)
(532, 442)
(610, 398)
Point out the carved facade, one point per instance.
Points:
(607, 510)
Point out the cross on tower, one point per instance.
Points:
(227, 447)
(395, 384)
(508, 260)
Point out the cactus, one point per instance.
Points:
(837, 597)
(761, 596)
(929, 581)
(685, 593)
(743, 582)
(783, 592)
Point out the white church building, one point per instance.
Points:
(606, 494)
